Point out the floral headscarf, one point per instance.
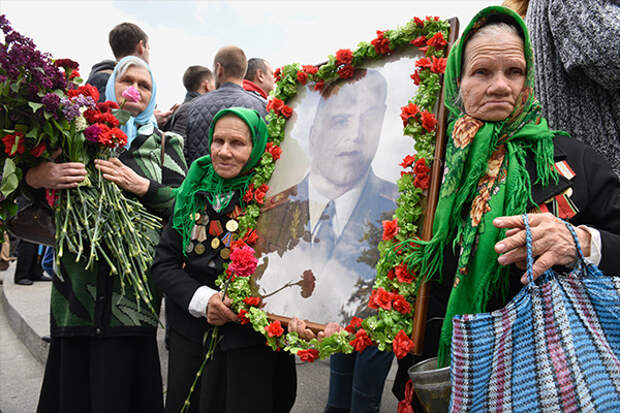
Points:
(484, 162)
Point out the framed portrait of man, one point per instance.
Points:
(335, 183)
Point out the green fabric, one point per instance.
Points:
(201, 176)
(479, 276)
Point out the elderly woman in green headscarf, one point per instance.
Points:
(502, 160)
(244, 374)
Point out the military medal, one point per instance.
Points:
(225, 253)
(232, 225)
(201, 233)
(199, 249)
(190, 247)
(215, 242)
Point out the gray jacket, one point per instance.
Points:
(202, 110)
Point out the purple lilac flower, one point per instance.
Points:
(85, 101)
(70, 109)
(92, 133)
(51, 102)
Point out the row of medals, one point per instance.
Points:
(214, 228)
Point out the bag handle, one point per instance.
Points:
(163, 148)
(528, 244)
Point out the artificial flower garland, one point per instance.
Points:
(396, 283)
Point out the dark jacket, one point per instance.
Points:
(202, 110)
(178, 120)
(179, 276)
(99, 75)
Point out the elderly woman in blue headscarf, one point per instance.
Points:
(103, 355)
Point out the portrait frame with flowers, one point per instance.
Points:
(397, 284)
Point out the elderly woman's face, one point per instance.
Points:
(493, 75)
(231, 146)
(139, 78)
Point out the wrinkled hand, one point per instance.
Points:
(219, 312)
(122, 175)
(162, 117)
(53, 175)
(299, 326)
(552, 243)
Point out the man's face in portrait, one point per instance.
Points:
(346, 129)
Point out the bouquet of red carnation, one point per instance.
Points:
(47, 116)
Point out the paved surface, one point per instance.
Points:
(24, 319)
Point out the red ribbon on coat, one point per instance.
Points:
(404, 406)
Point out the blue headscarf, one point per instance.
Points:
(147, 116)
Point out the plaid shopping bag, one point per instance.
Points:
(554, 348)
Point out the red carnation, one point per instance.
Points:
(437, 41)
(9, 143)
(424, 63)
(274, 329)
(238, 244)
(401, 305)
(346, 72)
(38, 150)
(418, 22)
(402, 344)
(74, 74)
(108, 118)
(354, 324)
(275, 104)
(407, 112)
(402, 274)
(430, 18)
(420, 167)
(107, 106)
(428, 121)
(91, 115)
(66, 63)
(408, 161)
(390, 229)
(319, 85)
(381, 43)
(302, 77)
(252, 301)
(361, 340)
(422, 181)
(86, 90)
(308, 355)
(439, 65)
(287, 111)
(113, 137)
(344, 57)
(390, 274)
(243, 319)
(416, 77)
(310, 69)
(274, 150)
(259, 194)
(383, 299)
(419, 41)
(243, 262)
(277, 74)
(249, 194)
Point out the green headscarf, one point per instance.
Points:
(464, 191)
(201, 176)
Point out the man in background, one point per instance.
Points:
(197, 80)
(259, 77)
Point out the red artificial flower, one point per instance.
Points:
(408, 161)
(74, 74)
(402, 344)
(319, 85)
(439, 65)
(249, 194)
(430, 18)
(407, 112)
(252, 301)
(91, 115)
(274, 329)
(361, 340)
(243, 319)
(86, 90)
(308, 355)
(243, 262)
(437, 41)
(238, 244)
(390, 229)
(38, 150)
(344, 57)
(275, 104)
(113, 137)
(107, 118)
(50, 196)
(371, 301)
(287, 111)
(428, 121)
(420, 167)
(424, 63)
(390, 274)
(402, 274)
(9, 141)
(251, 236)
(418, 22)
(106, 106)
(419, 41)
(383, 299)
(310, 69)
(422, 181)
(346, 72)
(274, 150)
(302, 77)
(354, 324)
(259, 193)
(277, 74)
(424, 49)
(416, 77)
(401, 305)
(381, 43)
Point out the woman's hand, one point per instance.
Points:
(299, 326)
(115, 171)
(552, 243)
(52, 175)
(219, 312)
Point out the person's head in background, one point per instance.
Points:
(261, 73)
(198, 79)
(229, 65)
(127, 39)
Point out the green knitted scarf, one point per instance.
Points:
(479, 276)
(202, 178)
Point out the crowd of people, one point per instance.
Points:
(103, 360)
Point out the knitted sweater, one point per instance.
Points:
(577, 56)
(91, 302)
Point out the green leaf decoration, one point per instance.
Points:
(10, 177)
